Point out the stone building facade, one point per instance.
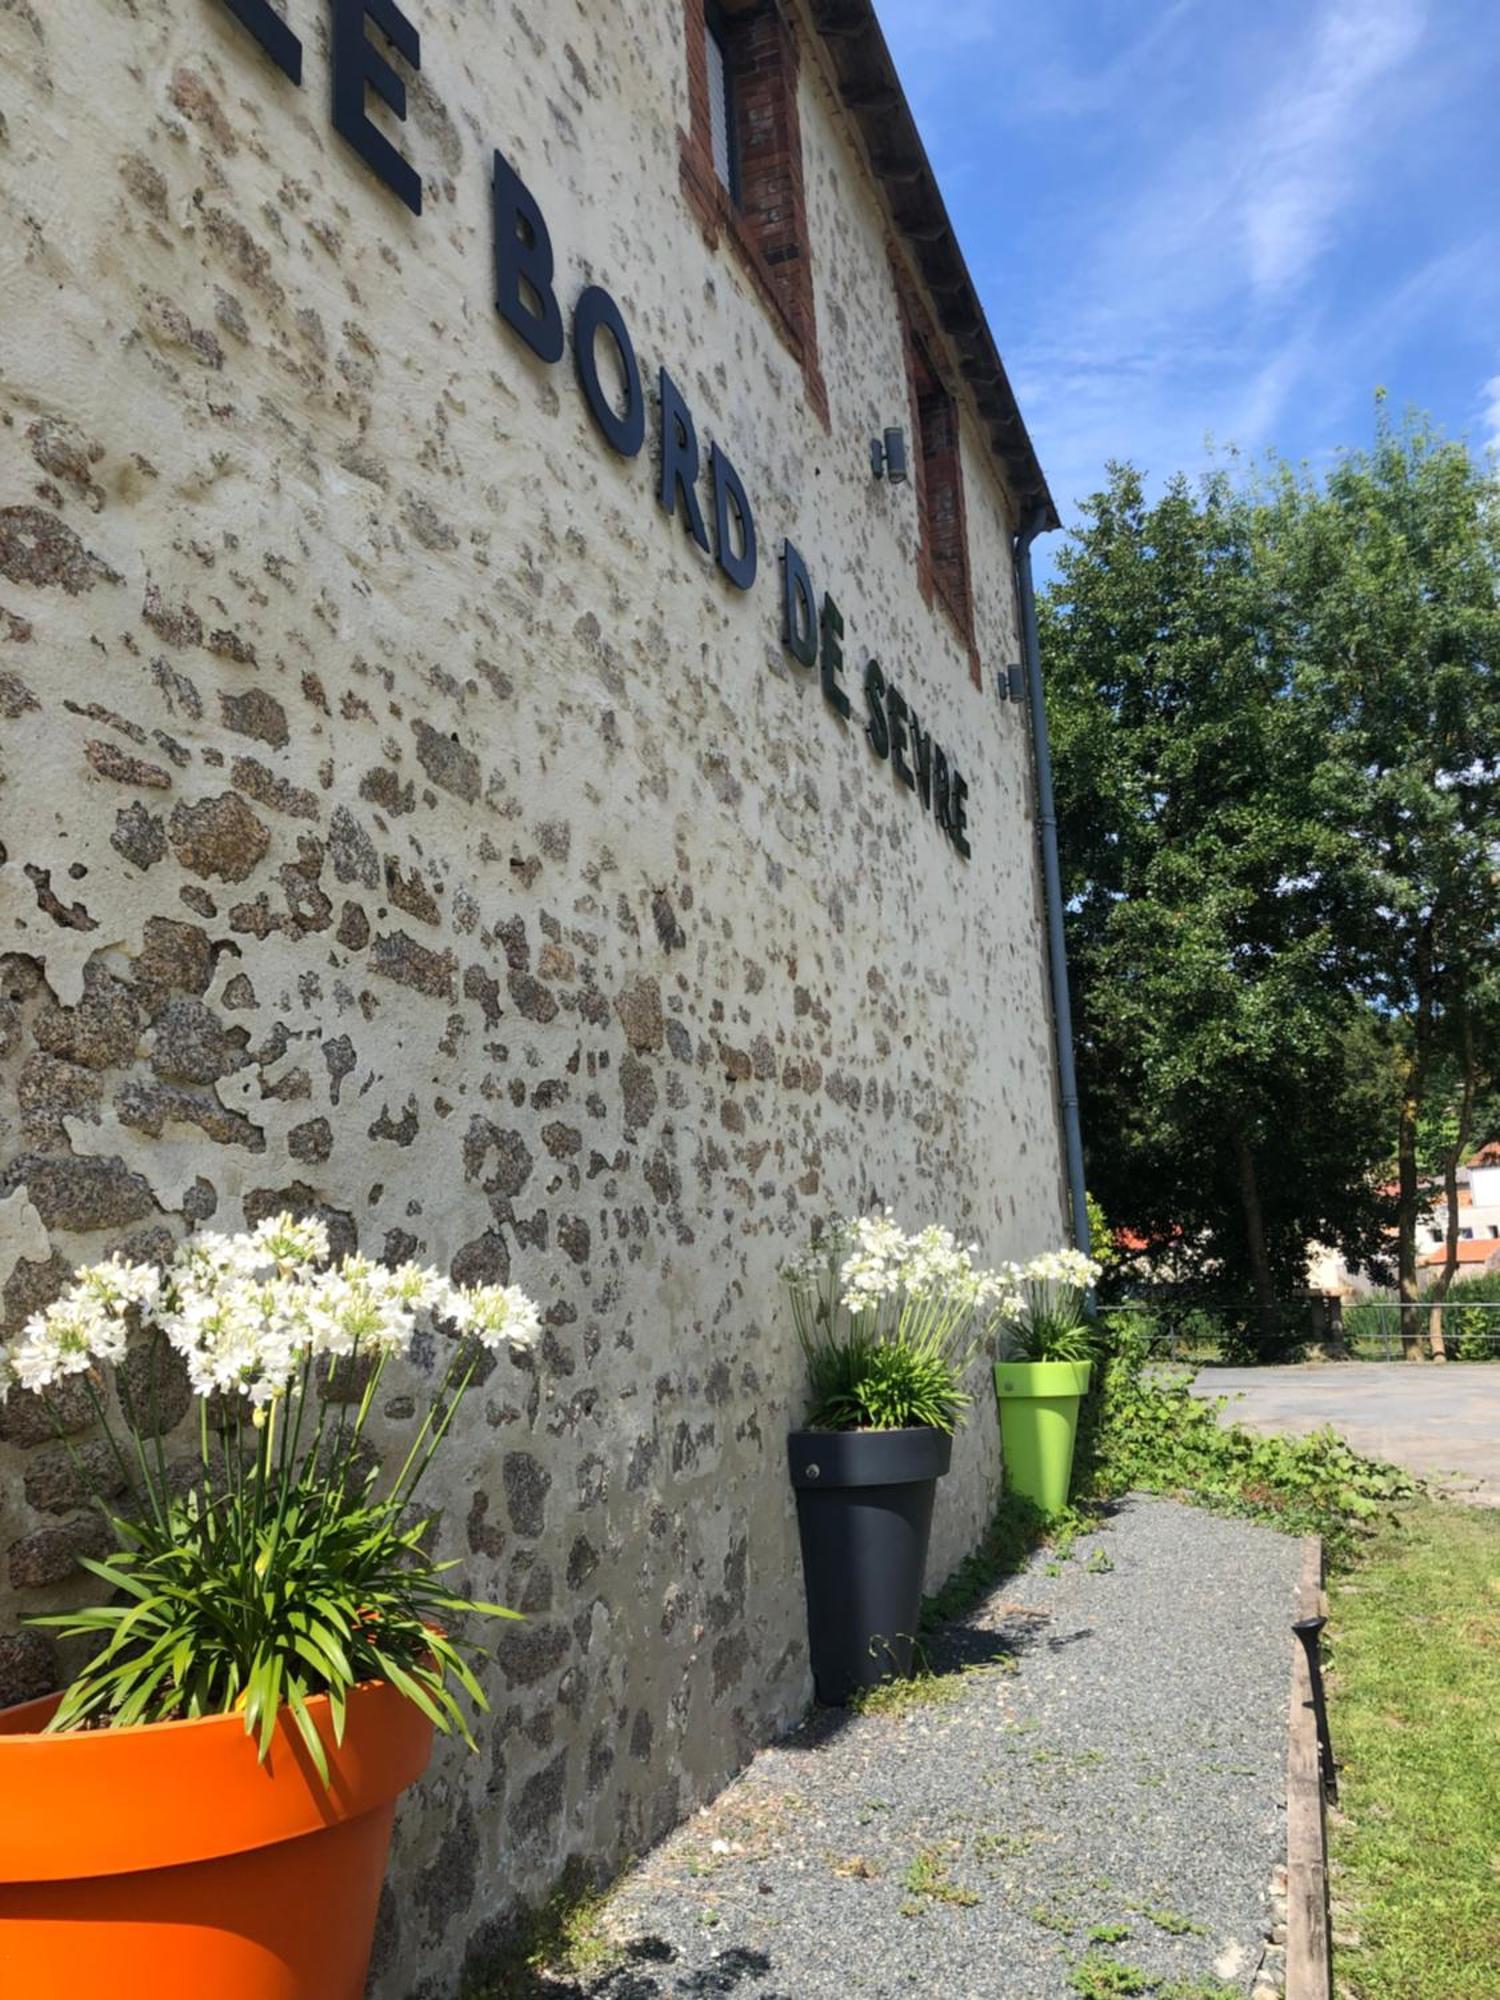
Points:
(407, 815)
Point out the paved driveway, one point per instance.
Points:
(1439, 1420)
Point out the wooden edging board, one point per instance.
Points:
(1309, 1958)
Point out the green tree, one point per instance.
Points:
(1385, 586)
(1276, 714)
(1234, 1084)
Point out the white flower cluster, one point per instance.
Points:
(867, 1262)
(875, 1268)
(1071, 1268)
(938, 1266)
(247, 1312)
(810, 1268)
(872, 1261)
(88, 1323)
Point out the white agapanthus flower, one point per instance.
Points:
(1062, 1267)
(210, 1258)
(247, 1313)
(292, 1244)
(497, 1316)
(873, 1271)
(117, 1285)
(356, 1306)
(879, 1272)
(809, 1269)
(65, 1338)
(936, 1263)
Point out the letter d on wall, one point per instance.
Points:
(731, 506)
(799, 608)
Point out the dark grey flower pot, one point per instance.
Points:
(864, 1510)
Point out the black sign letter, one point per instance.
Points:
(355, 64)
(627, 432)
(523, 256)
(921, 743)
(799, 608)
(679, 460)
(899, 713)
(273, 34)
(958, 822)
(832, 656)
(940, 788)
(737, 565)
(875, 728)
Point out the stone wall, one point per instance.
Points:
(401, 819)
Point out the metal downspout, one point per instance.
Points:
(1057, 950)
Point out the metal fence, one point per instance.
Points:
(1366, 1329)
(1469, 1329)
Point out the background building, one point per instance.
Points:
(1478, 1185)
(405, 816)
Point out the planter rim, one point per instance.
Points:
(1042, 1378)
(162, 1794)
(822, 1459)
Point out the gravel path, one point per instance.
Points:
(1110, 1755)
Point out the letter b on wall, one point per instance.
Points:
(524, 264)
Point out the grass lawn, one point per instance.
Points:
(1415, 1713)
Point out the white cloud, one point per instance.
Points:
(1311, 148)
(1216, 226)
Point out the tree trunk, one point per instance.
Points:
(1409, 1194)
(1406, 1219)
(1451, 1165)
(1255, 1242)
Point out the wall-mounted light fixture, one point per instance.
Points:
(1010, 683)
(888, 457)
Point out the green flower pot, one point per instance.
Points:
(1038, 1426)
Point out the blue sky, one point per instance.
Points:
(1220, 218)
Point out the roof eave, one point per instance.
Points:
(871, 91)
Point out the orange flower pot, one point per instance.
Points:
(165, 1863)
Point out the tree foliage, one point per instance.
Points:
(1275, 708)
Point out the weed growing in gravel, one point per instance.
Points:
(1003, 1846)
(1172, 1922)
(1196, 1989)
(1100, 1978)
(899, 1697)
(1052, 1919)
(1109, 1933)
(565, 1935)
(925, 1689)
(1144, 1430)
(928, 1877)
(1099, 1563)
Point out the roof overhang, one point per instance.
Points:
(871, 90)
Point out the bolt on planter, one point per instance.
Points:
(1039, 1426)
(864, 1514)
(163, 1862)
